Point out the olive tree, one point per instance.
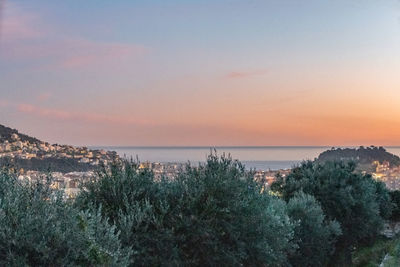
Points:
(314, 235)
(351, 198)
(214, 214)
(38, 227)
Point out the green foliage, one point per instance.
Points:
(393, 259)
(383, 252)
(314, 235)
(39, 228)
(43, 165)
(354, 200)
(395, 197)
(212, 215)
(384, 199)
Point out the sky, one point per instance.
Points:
(202, 72)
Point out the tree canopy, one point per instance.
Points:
(212, 215)
(314, 235)
(351, 198)
(39, 228)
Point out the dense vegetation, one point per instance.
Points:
(359, 203)
(211, 215)
(383, 251)
(6, 133)
(395, 197)
(360, 155)
(63, 165)
(39, 228)
(315, 236)
(215, 215)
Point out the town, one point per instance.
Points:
(388, 174)
(26, 150)
(86, 161)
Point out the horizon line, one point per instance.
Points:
(219, 146)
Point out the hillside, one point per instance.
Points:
(6, 135)
(29, 153)
(361, 155)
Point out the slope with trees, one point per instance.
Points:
(7, 132)
(361, 155)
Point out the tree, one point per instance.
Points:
(351, 198)
(38, 227)
(395, 197)
(383, 197)
(314, 235)
(212, 215)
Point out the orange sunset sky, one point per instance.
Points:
(202, 73)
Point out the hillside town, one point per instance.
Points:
(388, 174)
(31, 153)
(23, 149)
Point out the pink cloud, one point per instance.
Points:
(85, 117)
(238, 74)
(25, 39)
(18, 24)
(73, 53)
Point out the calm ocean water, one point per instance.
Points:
(260, 158)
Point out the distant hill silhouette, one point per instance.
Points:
(360, 155)
(6, 133)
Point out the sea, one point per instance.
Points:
(253, 157)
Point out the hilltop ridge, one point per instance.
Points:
(362, 155)
(7, 133)
(29, 153)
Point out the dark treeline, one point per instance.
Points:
(63, 165)
(6, 133)
(212, 215)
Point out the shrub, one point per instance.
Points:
(39, 228)
(395, 197)
(212, 215)
(314, 235)
(353, 199)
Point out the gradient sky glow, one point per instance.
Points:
(206, 72)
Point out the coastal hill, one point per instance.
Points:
(7, 133)
(361, 155)
(28, 153)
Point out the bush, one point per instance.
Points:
(395, 197)
(212, 215)
(39, 228)
(353, 199)
(314, 235)
(384, 200)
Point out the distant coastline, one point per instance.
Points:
(258, 157)
(111, 147)
(216, 147)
